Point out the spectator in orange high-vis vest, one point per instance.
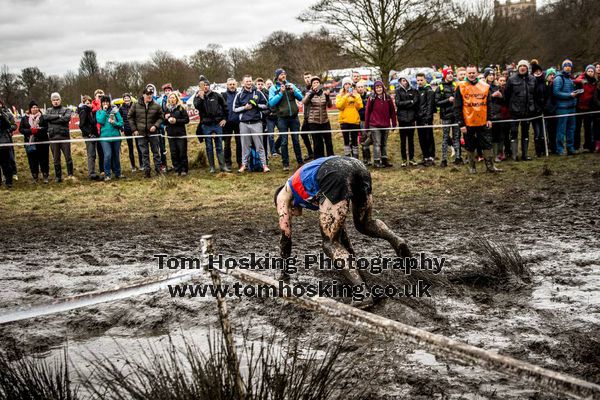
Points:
(473, 115)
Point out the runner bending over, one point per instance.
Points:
(329, 185)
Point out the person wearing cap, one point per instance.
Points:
(380, 116)
(587, 82)
(36, 135)
(213, 111)
(145, 118)
(249, 105)
(232, 126)
(406, 109)
(566, 101)
(349, 102)
(473, 114)
(7, 127)
(111, 123)
(550, 110)
(282, 98)
(132, 144)
(444, 101)
(89, 130)
(519, 95)
(317, 101)
(57, 119)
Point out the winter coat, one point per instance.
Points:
(212, 108)
(349, 107)
(520, 95)
(584, 100)
(7, 125)
(181, 120)
(229, 97)
(124, 111)
(25, 129)
(87, 122)
(318, 103)
(256, 99)
(380, 111)
(496, 104)
(406, 104)
(284, 103)
(425, 104)
(442, 95)
(107, 129)
(550, 100)
(142, 117)
(361, 112)
(596, 102)
(58, 119)
(563, 87)
(539, 93)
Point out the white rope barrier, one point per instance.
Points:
(222, 135)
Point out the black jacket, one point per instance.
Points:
(442, 95)
(87, 122)
(182, 119)
(212, 108)
(25, 130)
(142, 117)
(406, 104)
(124, 111)
(496, 103)
(425, 104)
(539, 92)
(57, 119)
(364, 97)
(519, 95)
(549, 99)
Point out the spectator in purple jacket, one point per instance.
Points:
(380, 113)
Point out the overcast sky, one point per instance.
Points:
(52, 34)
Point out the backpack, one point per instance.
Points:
(254, 164)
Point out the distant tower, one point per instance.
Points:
(514, 8)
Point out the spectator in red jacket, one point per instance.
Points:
(586, 81)
(380, 113)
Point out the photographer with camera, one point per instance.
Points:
(7, 127)
(282, 98)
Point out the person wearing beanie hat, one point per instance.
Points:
(111, 123)
(282, 99)
(380, 113)
(132, 144)
(349, 102)
(278, 73)
(586, 82)
(58, 118)
(566, 102)
(550, 110)
(444, 101)
(519, 95)
(36, 135)
(406, 109)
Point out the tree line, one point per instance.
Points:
(388, 34)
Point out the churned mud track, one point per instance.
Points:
(553, 320)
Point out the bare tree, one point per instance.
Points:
(378, 32)
(211, 62)
(9, 87)
(88, 66)
(33, 82)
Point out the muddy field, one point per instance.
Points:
(553, 320)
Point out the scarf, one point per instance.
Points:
(34, 120)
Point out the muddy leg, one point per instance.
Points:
(365, 224)
(336, 244)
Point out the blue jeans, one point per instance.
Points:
(207, 131)
(565, 127)
(284, 125)
(112, 157)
